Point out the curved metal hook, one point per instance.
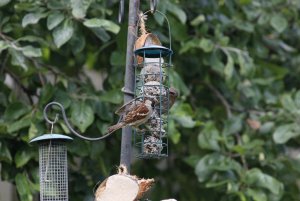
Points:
(68, 123)
(153, 4)
(121, 11)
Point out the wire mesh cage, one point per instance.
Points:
(152, 64)
(53, 168)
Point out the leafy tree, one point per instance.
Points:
(233, 132)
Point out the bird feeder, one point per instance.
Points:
(53, 168)
(152, 64)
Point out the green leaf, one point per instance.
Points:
(266, 127)
(117, 58)
(18, 59)
(79, 8)
(256, 195)
(63, 33)
(191, 44)
(58, 4)
(81, 148)
(177, 82)
(212, 163)
(103, 111)
(233, 125)
(244, 2)
(106, 24)
(244, 26)
(97, 149)
(208, 137)
(285, 132)
(229, 68)
(82, 115)
(263, 19)
(22, 157)
(33, 39)
(185, 121)
(15, 110)
(77, 42)
(5, 153)
(54, 19)
(30, 51)
(177, 11)
(3, 45)
(33, 131)
(206, 45)
(216, 63)
(297, 100)
(101, 34)
(32, 18)
(173, 134)
(47, 93)
(113, 96)
(23, 187)
(182, 114)
(4, 2)
(246, 64)
(288, 103)
(278, 22)
(198, 20)
(18, 125)
(255, 177)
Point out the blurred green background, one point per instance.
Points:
(233, 131)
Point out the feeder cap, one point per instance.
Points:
(153, 51)
(51, 137)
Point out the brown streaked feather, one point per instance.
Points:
(138, 113)
(128, 106)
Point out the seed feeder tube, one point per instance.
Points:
(152, 63)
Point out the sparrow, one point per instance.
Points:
(124, 109)
(173, 94)
(136, 116)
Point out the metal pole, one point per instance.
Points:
(126, 145)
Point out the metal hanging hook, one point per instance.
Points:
(153, 5)
(53, 122)
(68, 123)
(121, 11)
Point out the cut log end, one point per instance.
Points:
(122, 187)
(118, 188)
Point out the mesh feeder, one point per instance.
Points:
(152, 64)
(53, 167)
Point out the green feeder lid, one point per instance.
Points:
(153, 51)
(51, 137)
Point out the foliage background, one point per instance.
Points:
(233, 132)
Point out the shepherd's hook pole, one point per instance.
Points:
(126, 145)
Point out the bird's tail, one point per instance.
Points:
(115, 127)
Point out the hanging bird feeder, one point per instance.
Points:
(152, 65)
(53, 167)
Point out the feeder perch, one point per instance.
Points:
(152, 64)
(53, 167)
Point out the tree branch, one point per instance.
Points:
(229, 115)
(222, 99)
